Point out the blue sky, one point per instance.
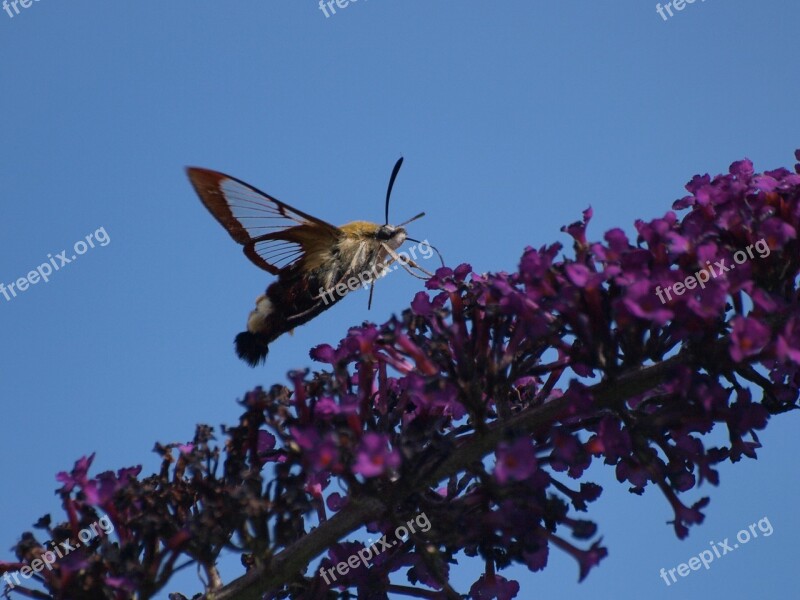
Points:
(513, 117)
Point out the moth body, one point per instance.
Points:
(295, 298)
(315, 262)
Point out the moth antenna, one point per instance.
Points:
(395, 171)
(412, 219)
(435, 249)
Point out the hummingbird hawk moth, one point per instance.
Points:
(307, 254)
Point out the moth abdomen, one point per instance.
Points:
(252, 347)
(288, 302)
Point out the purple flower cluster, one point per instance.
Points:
(481, 406)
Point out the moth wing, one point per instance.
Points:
(273, 252)
(274, 234)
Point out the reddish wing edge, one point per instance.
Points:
(253, 205)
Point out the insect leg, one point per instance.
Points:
(371, 290)
(383, 268)
(406, 263)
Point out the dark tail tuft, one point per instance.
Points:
(252, 348)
